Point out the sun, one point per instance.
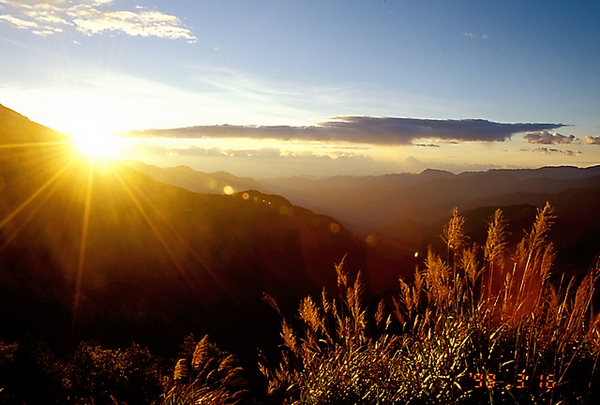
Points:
(97, 144)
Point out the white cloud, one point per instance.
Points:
(17, 22)
(90, 17)
(471, 35)
(43, 33)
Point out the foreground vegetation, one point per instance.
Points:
(463, 332)
(476, 325)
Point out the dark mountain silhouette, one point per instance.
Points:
(209, 183)
(556, 172)
(15, 129)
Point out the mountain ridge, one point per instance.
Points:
(383, 207)
(16, 129)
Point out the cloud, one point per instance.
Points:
(232, 153)
(364, 130)
(547, 138)
(18, 23)
(591, 140)
(275, 162)
(261, 162)
(471, 35)
(89, 17)
(260, 153)
(550, 151)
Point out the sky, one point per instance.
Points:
(274, 88)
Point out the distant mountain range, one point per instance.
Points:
(403, 213)
(365, 203)
(198, 182)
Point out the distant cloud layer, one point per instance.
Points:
(591, 140)
(265, 162)
(547, 138)
(366, 130)
(550, 151)
(88, 17)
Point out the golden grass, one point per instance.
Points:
(213, 378)
(473, 331)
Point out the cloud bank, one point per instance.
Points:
(275, 162)
(264, 162)
(89, 17)
(365, 130)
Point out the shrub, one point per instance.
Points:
(104, 376)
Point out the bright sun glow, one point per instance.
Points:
(97, 144)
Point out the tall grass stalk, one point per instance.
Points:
(210, 376)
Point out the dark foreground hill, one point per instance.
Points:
(98, 250)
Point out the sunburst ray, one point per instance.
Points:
(82, 246)
(37, 193)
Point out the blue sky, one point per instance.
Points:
(125, 65)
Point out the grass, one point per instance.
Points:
(208, 376)
(484, 326)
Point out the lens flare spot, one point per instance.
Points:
(212, 184)
(245, 196)
(228, 190)
(283, 210)
(335, 228)
(371, 240)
